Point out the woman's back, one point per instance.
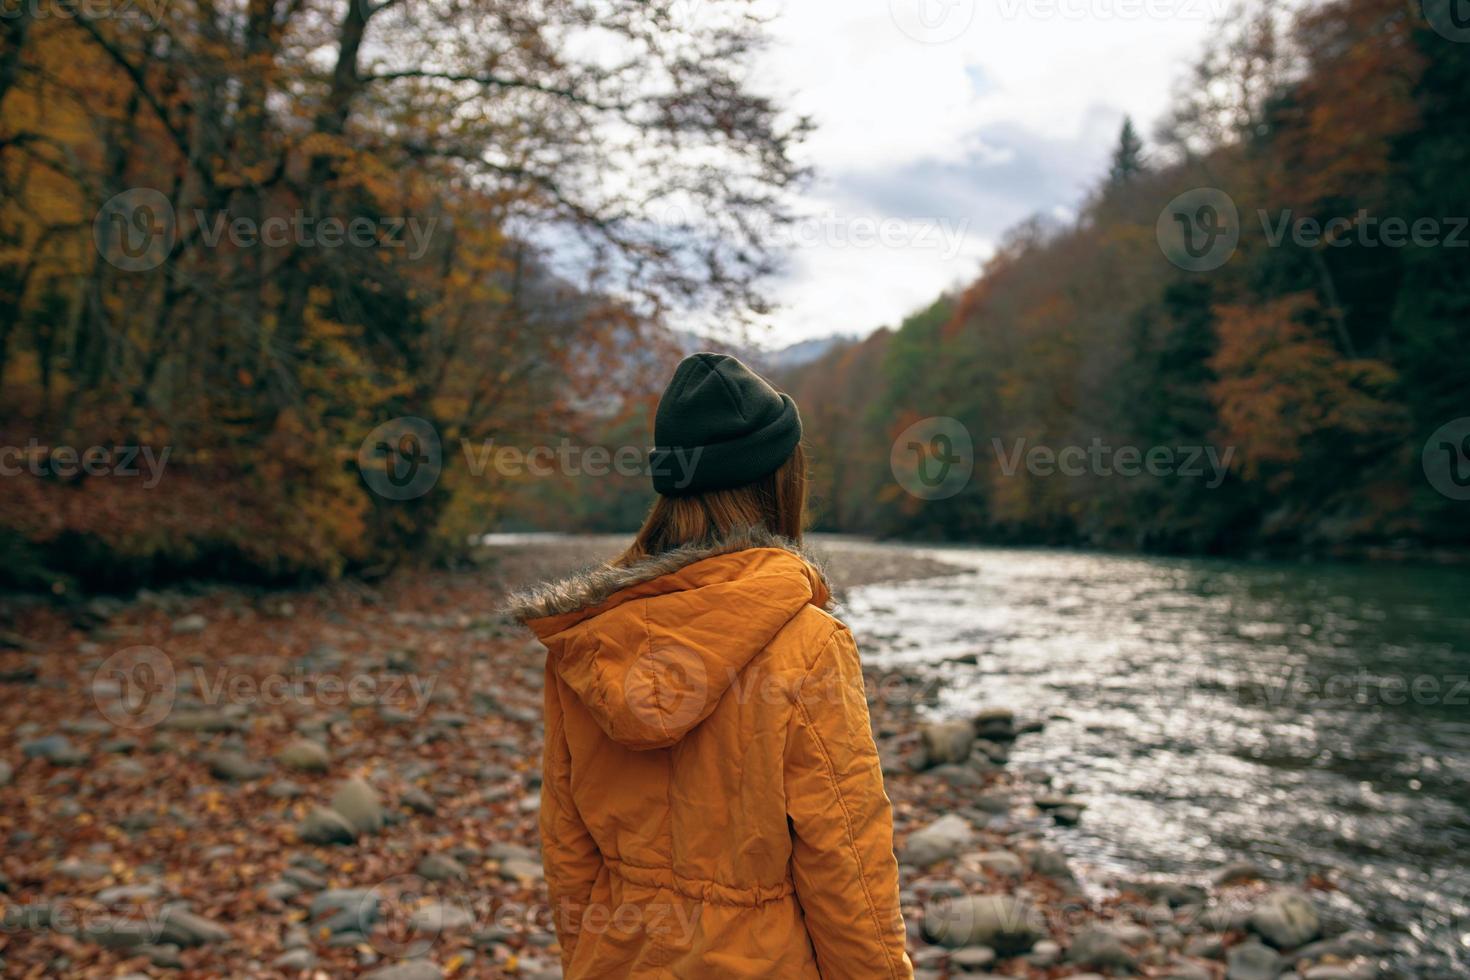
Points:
(712, 804)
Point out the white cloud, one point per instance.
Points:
(1013, 112)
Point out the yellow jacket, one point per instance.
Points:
(712, 804)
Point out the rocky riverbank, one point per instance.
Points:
(987, 892)
(345, 782)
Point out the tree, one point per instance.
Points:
(479, 144)
(1127, 156)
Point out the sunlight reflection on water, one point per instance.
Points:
(1311, 718)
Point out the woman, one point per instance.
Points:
(711, 800)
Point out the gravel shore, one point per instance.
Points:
(344, 781)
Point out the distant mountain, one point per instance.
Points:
(804, 352)
(766, 361)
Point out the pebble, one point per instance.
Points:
(193, 623)
(305, 755)
(295, 959)
(945, 742)
(411, 970)
(326, 826)
(441, 867)
(437, 917)
(1100, 946)
(938, 841)
(55, 749)
(1286, 918)
(1252, 961)
(521, 869)
(1044, 954)
(418, 801)
(164, 954)
(359, 805)
(188, 929)
(129, 893)
(1002, 863)
(345, 910)
(235, 767)
(970, 958)
(304, 878)
(1006, 924)
(1236, 872)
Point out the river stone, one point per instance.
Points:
(193, 623)
(235, 767)
(1100, 946)
(1185, 970)
(1235, 873)
(184, 928)
(306, 755)
(437, 917)
(112, 933)
(1002, 863)
(129, 893)
(1286, 918)
(1005, 924)
(78, 869)
(295, 960)
(164, 954)
(1207, 947)
(946, 741)
(1336, 971)
(1050, 862)
(411, 970)
(971, 958)
(521, 869)
(203, 720)
(996, 802)
(1344, 947)
(999, 723)
(1044, 954)
(326, 826)
(938, 841)
(304, 878)
(440, 867)
(1252, 961)
(358, 802)
(55, 749)
(345, 910)
(418, 801)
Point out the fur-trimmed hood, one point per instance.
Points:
(650, 648)
(594, 585)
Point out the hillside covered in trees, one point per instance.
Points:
(241, 236)
(1324, 359)
(236, 242)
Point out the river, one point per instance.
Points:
(1312, 718)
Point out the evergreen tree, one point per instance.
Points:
(1127, 157)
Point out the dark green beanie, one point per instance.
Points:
(719, 425)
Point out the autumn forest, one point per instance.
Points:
(238, 238)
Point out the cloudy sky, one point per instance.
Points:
(944, 122)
